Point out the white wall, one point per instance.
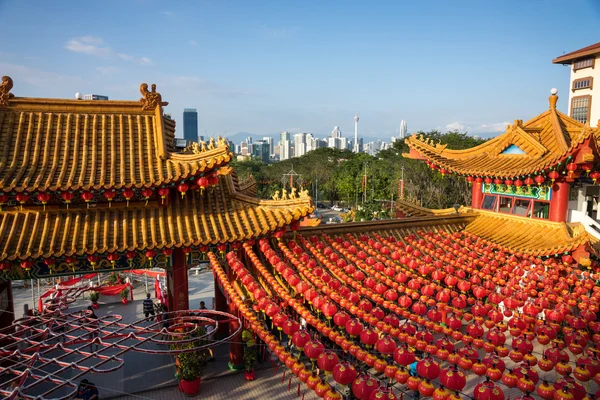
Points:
(582, 73)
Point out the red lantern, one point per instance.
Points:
(300, 339)
(113, 258)
(344, 373)
(327, 360)
(213, 179)
(539, 180)
(26, 264)
(93, 259)
(130, 256)
(22, 197)
(453, 378)
(553, 175)
(595, 176)
(43, 197)
(363, 386)
(313, 349)
(428, 368)
(167, 251)
(109, 195)
(67, 197)
(128, 194)
(87, 196)
(183, 188)
(529, 181)
(3, 198)
(150, 255)
(163, 192)
(146, 194)
(202, 183)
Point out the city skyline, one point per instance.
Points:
(336, 60)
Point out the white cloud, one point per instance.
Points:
(142, 60)
(108, 70)
(475, 128)
(193, 43)
(88, 45)
(37, 77)
(91, 45)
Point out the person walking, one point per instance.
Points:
(148, 306)
(202, 305)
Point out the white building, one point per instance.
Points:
(584, 72)
(403, 129)
(336, 132)
(285, 148)
(357, 146)
(299, 144)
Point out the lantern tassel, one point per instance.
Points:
(146, 203)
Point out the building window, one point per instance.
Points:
(522, 208)
(489, 203)
(583, 63)
(541, 209)
(580, 108)
(583, 83)
(505, 204)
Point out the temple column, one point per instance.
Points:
(177, 282)
(7, 314)
(220, 305)
(236, 348)
(559, 204)
(476, 195)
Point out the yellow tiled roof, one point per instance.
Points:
(414, 210)
(56, 145)
(545, 140)
(530, 236)
(219, 215)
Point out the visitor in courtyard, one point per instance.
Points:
(148, 306)
(87, 391)
(202, 305)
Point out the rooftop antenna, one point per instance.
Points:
(290, 176)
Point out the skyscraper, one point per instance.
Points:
(356, 145)
(261, 150)
(269, 140)
(285, 148)
(190, 124)
(403, 129)
(336, 132)
(299, 144)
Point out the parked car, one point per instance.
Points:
(321, 205)
(336, 208)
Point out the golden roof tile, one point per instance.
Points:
(529, 236)
(219, 215)
(544, 140)
(59, 144)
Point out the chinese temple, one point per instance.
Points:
(492, 301)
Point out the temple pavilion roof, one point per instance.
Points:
(63, 144)
(525, 148)
(518, 234)
(219, 215)
(123, 148)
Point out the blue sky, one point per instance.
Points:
(267, 66)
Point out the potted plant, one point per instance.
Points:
(190, 365)
(113, 279)
(94, 296)
(124, 295)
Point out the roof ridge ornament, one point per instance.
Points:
(151, 99)
(553, 98)
(5, 87)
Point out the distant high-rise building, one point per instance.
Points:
(190, 124)
(95, 97)
(283, 136)
(269, 140)
(357, 148)
(403, 129)
(285, 150)
(244, 149)
(261, 150)
(299, 144)
(336, 132)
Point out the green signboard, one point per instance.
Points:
(531, 192)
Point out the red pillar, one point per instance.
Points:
(236, 348)
(220, 305)
(476, 195)
(559, 204)
(7, 313)
(177, 282)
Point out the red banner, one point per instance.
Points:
(152, 274)
(113, 290)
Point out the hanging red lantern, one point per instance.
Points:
(167, 251)
(3, 198)
(146, 194)
(587, 167)
(5, 266)
(488, 181)
(163, 192)
(70, 261)
(553, 175)
(131, 255)
(93, 259)
(428, 368)
(50, 263)
(313, 348)
(87, 196)
(222, 247)
(539, 179)
(363, 386)
(453, 378)
(113, 258)
(43, 197)
(595, 176)
(487, 391)
(443, 171)
(213, 179)
(150, 254)
(67, 197)
(327, 360)
(183, 188)
(470, 180)
(26, 265)
(202, 183)
(529, 181)
(344, 373)
(128, 194)
(109, 195)
(22, 197)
